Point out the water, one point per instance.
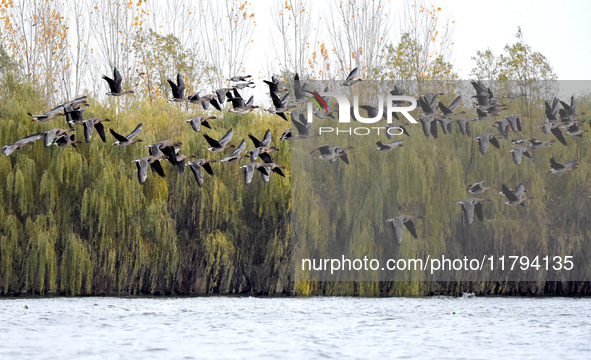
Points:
(333, 328)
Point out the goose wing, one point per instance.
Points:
(478, 211)
(257, 143)
(559, 135)
(239, 149)
(142, 170)
(135, 132)
(267, 138)
(410, 226)
(197, 172)
(118, 136)
(508, 193)
(157, 167)
(88, 129)
(224, 140)
(398, 229)
(468, 209)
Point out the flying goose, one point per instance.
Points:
(115, 84)
(126, 140)
(280, 106)
(389, 146)
(196, 122)
(517, 152)
(219, 146)
(142, 167)
(450, 110)
(94, 123)
(472, 206)
(303, 127)
(66, 140)
(351, 78)
(332, 153)
(478, 188)
(236, 154)
(513, 198)
(50, 135)
(558, 168)
(554, 128)
(238, 78)
(485, 139)
(178, 89)
(538, 143)
(575, 130)
(519, 191)
(239, 106)
(197, 167)
(56, 111)
(401, 221)
(21, 143)
(249, 171)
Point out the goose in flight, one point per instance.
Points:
(280, 106)
(238, 78)
(478, 188)
(558, 168)
(221, 145)
(126, 140)
(449, 111)
(142, 167)
(61, 109)
(197, 167)
(94, 123)
(332, 153)
(485, 139)
(196, 122)
(538, 143)
(303, 127)
(472, 206)
(56, 111)
(518, 152)
(389, 146)
(249, 171)
(519, 191)
(554, 128)
(399, 222)
(351, 78)
(178, 89)
(239, 106)
(21, 143)
(115, 84)
(50, 135)
(512, 197)
(236, 154)
(66, 140)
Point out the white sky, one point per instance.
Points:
(560, 30)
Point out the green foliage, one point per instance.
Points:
(76, 221)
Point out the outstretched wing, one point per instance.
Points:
(508, 193)
(226, 137)
(118, 136)
(410, 226)
(135, 132)
(352, 75)
(198, 172)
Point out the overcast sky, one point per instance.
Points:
(560, 30)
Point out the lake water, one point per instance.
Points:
(333, 328)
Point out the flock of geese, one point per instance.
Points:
(434, 115)
(488, 106)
